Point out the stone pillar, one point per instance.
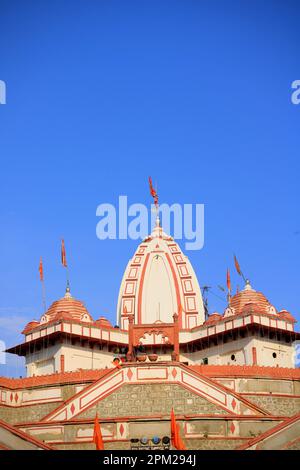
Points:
(175, 354)
(129, 355)
(254, 356)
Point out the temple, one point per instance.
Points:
(230, 377)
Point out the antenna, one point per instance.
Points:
(204, 291)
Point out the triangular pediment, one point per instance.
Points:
(143, 400)
(153, 389)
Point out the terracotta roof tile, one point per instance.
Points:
(246, 371)
(53, 379)
(75, 308)
(249, 298)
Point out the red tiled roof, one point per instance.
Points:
(244, 297)
(75, 308)
(213, 318)
(102, 321)
(246, 371)
(66, 308)
(53, 379)
(90, 375)
(287, 316)
(30, 326)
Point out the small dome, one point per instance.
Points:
(250, 300)
(102, 321)
(214, 317)
(287, 316)
(30, 326)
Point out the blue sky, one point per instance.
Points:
(100, 95)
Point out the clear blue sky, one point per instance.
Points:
(102, 94)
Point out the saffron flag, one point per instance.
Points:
(237, 266)
(41, 270)
(153, 192)
(97, 437)
(174, 429)
(63, 254)
(176, 440)
(180, 443)
(228, 281)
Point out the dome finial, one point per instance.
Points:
(68, 292)
(157, 220)
(248, 285)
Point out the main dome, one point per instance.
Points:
(159, 281)
(249, 298)
(67, 307)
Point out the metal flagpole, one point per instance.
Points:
(64, 263)
(41, 271)
(44, 296)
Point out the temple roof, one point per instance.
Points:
(91, 375)
(68, 307)
(249, 301)
(248, 296)
(159, 281)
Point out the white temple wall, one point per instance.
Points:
(265, 348)
(221, 354)
(242, 350)
(78, 357)
(48, 361)
(70, 357)
(42, 362)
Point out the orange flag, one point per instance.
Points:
(174, 430)
(153, 192)
(228, 281)
(177, 442)
(180, 443)
(237, 266)
(63, 254)
(41, 270)
(97, 437)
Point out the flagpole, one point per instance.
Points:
(68, 277)
(41, 271)
(64, 263)
(44, 295)
(228, 286)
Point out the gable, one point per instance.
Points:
(156, 376)
(150, 400)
